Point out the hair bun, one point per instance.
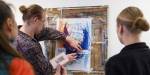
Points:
(23, 9)
(141, 23)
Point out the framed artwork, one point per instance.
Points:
(94, 22)
(80, 30)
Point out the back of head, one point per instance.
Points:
(5, 13)
(133, 19)
(31, 11)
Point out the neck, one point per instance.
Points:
(131, 39)
(26, 28)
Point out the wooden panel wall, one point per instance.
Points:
(99, 33)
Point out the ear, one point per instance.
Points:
(120, 29)
(9, 25)
(35, 19)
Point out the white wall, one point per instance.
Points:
(115, 6)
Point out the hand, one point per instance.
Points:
(74, 43)
(71, 57)
(61, 70)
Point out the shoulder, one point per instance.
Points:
(20, 66)
(120, 59)
(23, 44)
(21, 37)
(113, 59)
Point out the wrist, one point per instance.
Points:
(67, 38)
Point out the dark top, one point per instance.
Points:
(134, 59)
(31, 49)
(5, 60)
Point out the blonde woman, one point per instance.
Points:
(134, 58)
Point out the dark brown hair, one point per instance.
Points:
(31, 11)
(133, 19)
(5, 12)
(5, 47)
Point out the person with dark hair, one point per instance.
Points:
(33, 31)
(11, 62)
(134, 58)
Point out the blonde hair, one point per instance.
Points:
(133, 19)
